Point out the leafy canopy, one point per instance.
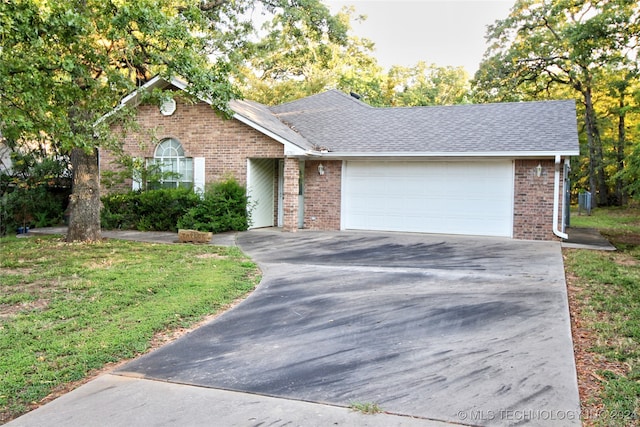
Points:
(65, 63)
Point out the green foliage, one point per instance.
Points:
(69, 309)
(585, 50)
(631, 173)
(34, 192)
(149, 175)
(223, 208)
(427, 85)
(286, 67)
(153, 210)
(32, 207)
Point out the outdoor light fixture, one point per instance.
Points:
(320, 169)
(539, 170)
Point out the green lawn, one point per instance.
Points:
(68, 309)
(607, 288)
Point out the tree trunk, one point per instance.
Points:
(620, 193)
(84, 204)
(597, 180)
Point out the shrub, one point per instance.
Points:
(153, 210)
(40, 206)
(223, 208)
(34, 191)
(118, 211)
(160, 210)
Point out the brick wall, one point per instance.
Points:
(533, 204)
(322, 195)
(226, 144)
(291, 189)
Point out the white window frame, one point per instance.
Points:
(170, 155)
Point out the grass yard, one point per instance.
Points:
(604, 294)
(67, 310)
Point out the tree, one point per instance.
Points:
(286, 67)
(427, 85)
(66, 63)
(544, 44)
(622, 108)
(292, 61)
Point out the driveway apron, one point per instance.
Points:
(460, 329)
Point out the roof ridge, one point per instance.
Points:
(349, 96)
(316, 96)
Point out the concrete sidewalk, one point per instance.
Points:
(587, 238)
(115, 401)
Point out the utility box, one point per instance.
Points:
(584, 203)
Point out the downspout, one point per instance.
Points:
(556, 202)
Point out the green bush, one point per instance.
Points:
(223, 208)
(32, 207)
(118, 211)
(34, 192)
(153, 210)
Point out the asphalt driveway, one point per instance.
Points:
(459, 329)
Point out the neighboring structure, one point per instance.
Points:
(331, 162)
(6, 164)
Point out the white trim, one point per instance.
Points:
(168, 107)
(556, 202)
(400, 155)
(199, 179)
(136, 182)
(343, 200)
(513, 196)
(280, 221)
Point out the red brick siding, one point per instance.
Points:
(533, 200)
(291, 188)
(322, 195)
(226, 144)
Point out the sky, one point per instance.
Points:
(443, 32)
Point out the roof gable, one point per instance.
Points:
(250, 113)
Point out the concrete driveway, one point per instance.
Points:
(458, 329)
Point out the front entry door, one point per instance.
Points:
(260, 183)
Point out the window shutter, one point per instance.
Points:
(198, 175)
(136, 178)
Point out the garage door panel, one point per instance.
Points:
(433, 197)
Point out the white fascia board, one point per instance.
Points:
(473, 154)
(157, 81)
(132, 98)
(290, 149)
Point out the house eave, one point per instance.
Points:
(446, 155)
(290, 149)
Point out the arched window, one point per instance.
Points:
(175, 169)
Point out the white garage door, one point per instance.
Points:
(473, 198)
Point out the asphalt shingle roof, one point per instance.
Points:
(342, 124)
(260, 115)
